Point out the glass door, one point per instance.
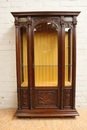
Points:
(46, 55)
(23, 57)
(68, 56)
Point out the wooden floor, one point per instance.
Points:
(9, 122)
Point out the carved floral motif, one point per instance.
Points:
(46, 19)
(67, 98)
(24, 98)
(68, 24)
(46, 98)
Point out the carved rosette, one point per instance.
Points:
(24, 98)
(46, 98)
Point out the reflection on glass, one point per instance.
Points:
(68, 56)
(46, 55)
(23, 57)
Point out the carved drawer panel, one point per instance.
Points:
(46, 98)
(24, 98)
(67, 97)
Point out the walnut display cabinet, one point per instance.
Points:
(46, 63)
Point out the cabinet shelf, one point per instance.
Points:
(44, 65)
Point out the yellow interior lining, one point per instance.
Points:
(46, 59)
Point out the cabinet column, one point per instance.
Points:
(18, 63)
(30, 71)
(62, 61)
(74, 61)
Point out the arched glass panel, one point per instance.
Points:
(68, 56)
(23, 57)
(46, 55)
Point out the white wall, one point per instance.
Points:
(8, 86)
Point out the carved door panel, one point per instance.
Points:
(45, 44)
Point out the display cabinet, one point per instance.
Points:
(46, 63)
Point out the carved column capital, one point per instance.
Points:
(62, 20)
(74, 20)
(29, 20)
(16, 21)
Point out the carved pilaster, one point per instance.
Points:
(67, 97)
(61, 97)
(24, 98)
(73, 101)
(31, 97)
(19, 98)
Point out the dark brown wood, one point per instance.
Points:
(18, 66)
(46, 13)
(30, 68)
(62, 60)
(24, 98)
(46, 113)
(74, 61)
(48, 101)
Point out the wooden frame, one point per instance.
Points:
(46, 101)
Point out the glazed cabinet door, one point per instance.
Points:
(69, 62)
(45, 62)
(22, 56)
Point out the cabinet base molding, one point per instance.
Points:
(47, 113)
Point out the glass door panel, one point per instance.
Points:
(68, 56)
(23, 57)
(46, 55)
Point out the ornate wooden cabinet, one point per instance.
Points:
(46, 63)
